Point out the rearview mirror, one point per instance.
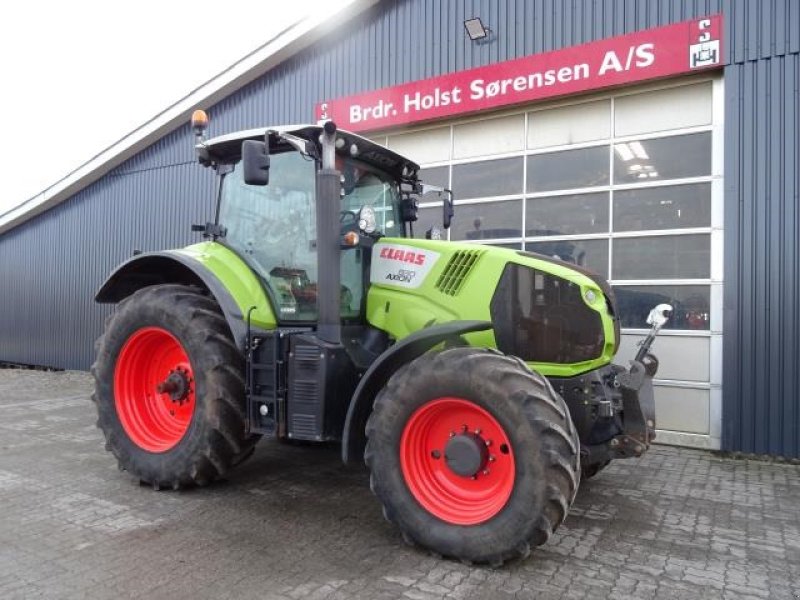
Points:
(255, 162)
(447, 209)
(447, 201)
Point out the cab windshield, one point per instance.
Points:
(273, 228)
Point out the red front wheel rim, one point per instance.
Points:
(480, 490)
(154, 389)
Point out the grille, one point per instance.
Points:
(305, 426)
(457, 270)
(305, 390)
(554, 326)
(307, 355)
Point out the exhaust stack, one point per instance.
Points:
(329, 187)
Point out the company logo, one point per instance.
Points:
(403, 276)
(401, 265)
(415, 258)
(705, 52)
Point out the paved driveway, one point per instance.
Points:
(293, 523)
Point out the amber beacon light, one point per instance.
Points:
(199, 123)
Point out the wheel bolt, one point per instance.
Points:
(436, 454)
(477, 432)
(474, 477)
(464, 428)
(488, 443)
(452, 434)
(492, 459)
(486, 471)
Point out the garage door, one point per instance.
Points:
(627, 184)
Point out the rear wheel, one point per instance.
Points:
(473, 455)
(169, 388)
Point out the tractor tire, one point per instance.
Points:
(589, 471)
(169, 388)
(473, 455)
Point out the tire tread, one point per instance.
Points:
(226, 442)
(543, 408)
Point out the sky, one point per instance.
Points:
(78, 75)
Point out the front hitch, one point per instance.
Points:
(636, 385)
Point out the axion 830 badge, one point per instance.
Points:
(404, 266)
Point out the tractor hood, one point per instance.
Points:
(556, 316)
(227, 148)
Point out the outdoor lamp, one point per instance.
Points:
(476, 29)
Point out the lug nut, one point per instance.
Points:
(486, 471)
(452, 434)
(492, 459)
(488, 443)
(614, 443)
(436, 454)
(477, 431)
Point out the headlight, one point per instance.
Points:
(366, 219)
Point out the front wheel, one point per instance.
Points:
(473, 455)
(169, 388)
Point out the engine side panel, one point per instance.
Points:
(419, 283)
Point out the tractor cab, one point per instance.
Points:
(267, 209)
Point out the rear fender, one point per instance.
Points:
(156, 268)
(379, 372)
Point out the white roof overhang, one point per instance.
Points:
(289, 42)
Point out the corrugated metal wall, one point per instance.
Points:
(761, 374)
(50, 267)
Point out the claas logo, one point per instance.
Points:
(415, 258)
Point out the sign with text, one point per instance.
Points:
(404, 266)
(650, 54)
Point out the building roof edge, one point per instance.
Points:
(283, 46)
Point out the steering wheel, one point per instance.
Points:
(348, 216)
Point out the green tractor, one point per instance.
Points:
(476, 382)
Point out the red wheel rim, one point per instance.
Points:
(154, 420)
(454, 498)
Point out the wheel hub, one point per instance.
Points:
(177, 385)
(154, 389)
(466, 454)
(457, 460)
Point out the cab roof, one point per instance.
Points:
(228, 148)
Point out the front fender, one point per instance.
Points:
(157, 268)
(379, 372)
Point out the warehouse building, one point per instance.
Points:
(653, 142)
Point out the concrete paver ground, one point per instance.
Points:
(293, 523)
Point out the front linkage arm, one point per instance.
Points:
(636, 384)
